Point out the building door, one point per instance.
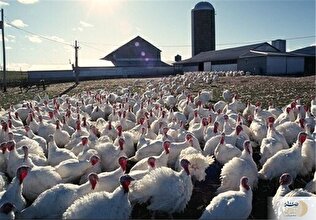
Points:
(201, 66)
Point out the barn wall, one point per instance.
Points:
(192, 68)
(276, 65)
(224, 67)
(295, 65)
(256, 65)
(207, 66)
(98, 73)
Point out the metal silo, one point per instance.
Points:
(203, 27)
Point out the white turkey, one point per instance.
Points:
(110, 154)
(199, 132)
(271, 144)
(65, 127)
(114, 205)
(309, 155)
(290, 130)
(53, 202)
(109, 181)
(35, 151)
(258, 127)
(161, 160)
(57, 155)
(284, 181)
(45, 129)
(286, 116)
(225, 152)
(238, 167)
(39, 179)
(311, 185)
(3, 156)
(198, 162)
(285, 161)
(72, 169)
(138, 174)
(16, 121)
(96, 113)
(13, 194)
(227, 95)
(128, 141)
(15, 160)
(211, 131)
(249, 110)
(235, 138)
(274, 111)
(34, 125)
(108, 129)
(152, 189)
(76, 136)
(61, 137)
(80, 146)
(152, 148)
(177, 147)
(231, 204)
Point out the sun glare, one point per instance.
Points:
(103, 6)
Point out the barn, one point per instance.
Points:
(136, 53)
(136, 58)
(261, 58)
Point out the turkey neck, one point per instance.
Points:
(86, 188)
(14, 189)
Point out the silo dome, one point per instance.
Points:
(203, 6)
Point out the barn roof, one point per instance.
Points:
(228, 54)
(136, 39)
(309, 51)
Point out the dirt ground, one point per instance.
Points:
(279, 90)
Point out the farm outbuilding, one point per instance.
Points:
(260, 58)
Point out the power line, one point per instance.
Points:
(38, 35)
(95, 48)
(189, 45)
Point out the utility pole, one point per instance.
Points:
(76, 68)
(3, 49)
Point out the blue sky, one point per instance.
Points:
(101, 26)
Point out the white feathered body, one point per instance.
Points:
(101, 206)
(38, 180)
(284, 161)
(229, 205)
(165, 189)
(236, 168)
(53, 202)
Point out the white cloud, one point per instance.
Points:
(18, 66)
(2, 3)
(57, 38)
(18, 23)
(9, 38)
(78, 29)
(34, 39)
(85, 24)
(27, 1)
(8, 48)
